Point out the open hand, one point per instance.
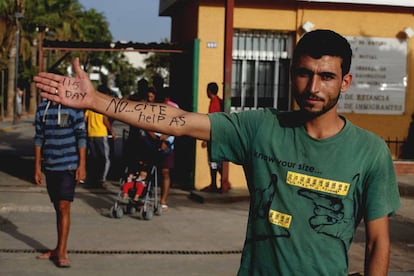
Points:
(77, 92)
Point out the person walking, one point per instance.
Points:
(19, 102)
(60, 152)
(98, 157)
(312, 174)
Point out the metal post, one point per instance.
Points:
(228, 49)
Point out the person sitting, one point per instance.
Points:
(135, 182)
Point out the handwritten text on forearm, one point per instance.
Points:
(146, 112)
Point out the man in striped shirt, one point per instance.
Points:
(60, 153)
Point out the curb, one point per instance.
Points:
(406, 190)
(234, 195)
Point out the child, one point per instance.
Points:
(135, 182)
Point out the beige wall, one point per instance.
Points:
(352, 21)
(211, 29)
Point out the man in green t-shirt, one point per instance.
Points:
(312, 175)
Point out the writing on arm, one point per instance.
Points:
(147, 113)
(149, 116)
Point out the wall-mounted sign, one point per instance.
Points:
(211, 44)
(379, 77)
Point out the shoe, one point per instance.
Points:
(164, 207)
(64, 263)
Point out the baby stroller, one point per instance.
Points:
(148, 202)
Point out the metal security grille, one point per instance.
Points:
(260, 72)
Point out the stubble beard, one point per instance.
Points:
(331, 104)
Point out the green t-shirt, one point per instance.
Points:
(307, 196)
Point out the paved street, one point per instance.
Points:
(192, 238)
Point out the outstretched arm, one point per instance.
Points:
(79, 92)
(377, 252)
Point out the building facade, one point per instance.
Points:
(263, 35)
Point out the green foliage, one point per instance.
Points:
(157, 64)
(66, 20)
(7, 30)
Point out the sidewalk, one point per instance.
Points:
(7, 123)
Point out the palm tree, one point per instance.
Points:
(56, 20)
(63, 20)
(10, 11)
(6, 32)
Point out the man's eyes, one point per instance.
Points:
(327, 76)
(309, 74)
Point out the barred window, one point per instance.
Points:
(260, 72)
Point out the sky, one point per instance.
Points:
(132, 20)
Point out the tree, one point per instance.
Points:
(10, 11)
(68, 21)
(62, 20)
(157, 64)
(7, 30)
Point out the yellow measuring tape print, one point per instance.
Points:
(317, 184)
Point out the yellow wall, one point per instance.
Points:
(350, 21)
(210, 70)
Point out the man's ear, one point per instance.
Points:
(346, 82)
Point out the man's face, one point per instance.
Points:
(318, 83)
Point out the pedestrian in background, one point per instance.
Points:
(312, 174)
(99, 127)
(164, 146)
(60, 152)
(19, 103)
(157, 85)
(167, 154)
(133, 149)
(215, 105)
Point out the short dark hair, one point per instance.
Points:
(212, 87)
(320, 43)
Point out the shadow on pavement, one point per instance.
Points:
(11, 229)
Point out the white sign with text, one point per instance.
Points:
(379, 77)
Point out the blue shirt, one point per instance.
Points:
(60, 131)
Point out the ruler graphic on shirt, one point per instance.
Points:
(317, 183)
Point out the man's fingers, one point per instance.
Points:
(45, 88)
(44, 80)
(78, 69)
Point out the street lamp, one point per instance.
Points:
(17, 16)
